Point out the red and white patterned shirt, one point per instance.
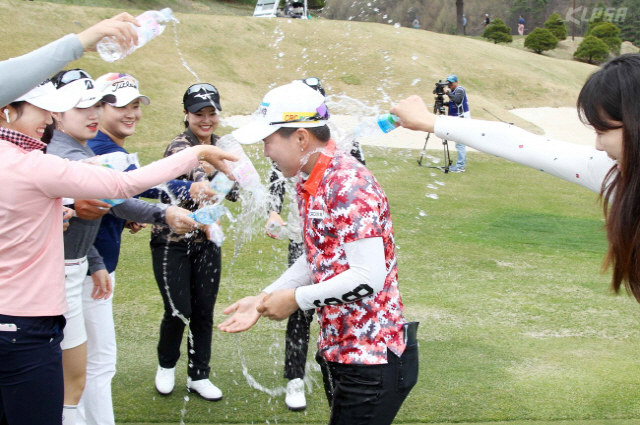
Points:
(341, 202)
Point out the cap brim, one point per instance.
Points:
(93, 96)
(195, 108)
(254, 132)
(60, 100)
(124, 99)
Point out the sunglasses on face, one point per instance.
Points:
(322, 113)
(70, 76)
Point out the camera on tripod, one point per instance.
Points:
(438, 109)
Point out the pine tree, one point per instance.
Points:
(555, 24)
(498, 32)
(608, 32)
(592, 50)
(540, 39)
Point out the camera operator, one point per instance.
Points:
(458, 107)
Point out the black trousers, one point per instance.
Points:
(31, 389)
(297, 337)
(191, 273)
(369, 394)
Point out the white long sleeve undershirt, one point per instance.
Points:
(366, 276)
(578, 164)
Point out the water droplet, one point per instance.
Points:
(431, 195)
(396, 25)
(422, 213)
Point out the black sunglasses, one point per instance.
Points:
(63, 78)
(196, 88)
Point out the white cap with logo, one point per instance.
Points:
(123, 86)
(45, 96)
(293, 105)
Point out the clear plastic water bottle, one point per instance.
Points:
(152, 23)
(278, 230)
(215, 234)
(377, 126)
(209, 214)
(118, 161)
(221, 185)
(243, 170)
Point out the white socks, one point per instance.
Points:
(69, 415)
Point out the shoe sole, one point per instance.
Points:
(189, 390)
(297, 409)
(164, 394)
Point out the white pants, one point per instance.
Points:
(75, 272)
(96, 406)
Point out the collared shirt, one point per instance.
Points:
(25, 142)
(342, 202)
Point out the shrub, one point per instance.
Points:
(540, 39)
(555, 24)
(498, 31)
(592, 50)
(608, 32)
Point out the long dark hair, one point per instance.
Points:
(613, 94)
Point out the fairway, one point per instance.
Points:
(501, 264)
(502, 271)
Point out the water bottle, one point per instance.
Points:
(278, 230)
(377, 126)
(152, 23)
(209, 214)
(119, 161)
(221, 185)
(215, 234)
(243, 170)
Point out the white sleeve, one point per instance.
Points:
(366, 276)
(578, 164)
(295, 276)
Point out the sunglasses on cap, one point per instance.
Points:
(314, 83)
(322, 113)
(196, 88)
(63, 78)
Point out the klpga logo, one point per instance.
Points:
(610, 14)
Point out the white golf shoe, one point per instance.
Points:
(165, 380)
(295, 399)
(205, 389)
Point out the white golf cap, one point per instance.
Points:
(91, 94)
(293, 105)
(45, 96)
(123, 86)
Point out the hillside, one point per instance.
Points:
(245, 56)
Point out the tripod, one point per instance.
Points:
(438, 109)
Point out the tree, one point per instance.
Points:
(608, 32)
(540, 39)
(498, 32)
(555, 24)
(459, 13)
(592, 50)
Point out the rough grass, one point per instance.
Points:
(245, 56)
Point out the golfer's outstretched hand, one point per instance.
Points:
(414, 114)
(244, 314)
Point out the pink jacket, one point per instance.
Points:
(31, 249)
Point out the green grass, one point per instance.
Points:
(503, 272)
